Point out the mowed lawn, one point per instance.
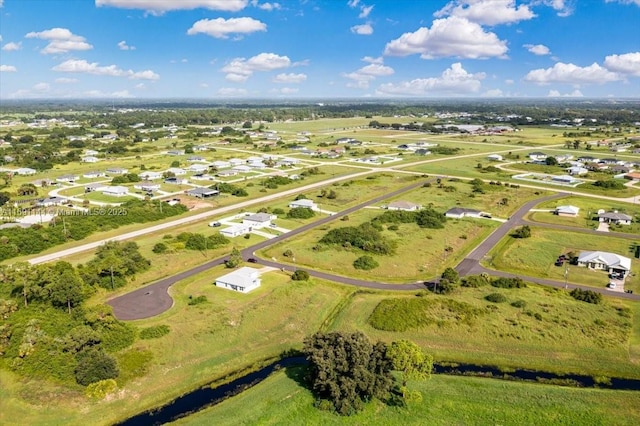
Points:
(535, 256)
(208, 341)
(447, 400)
(551, 332)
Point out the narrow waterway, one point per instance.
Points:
(207, 396)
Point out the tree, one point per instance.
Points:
(95, 365)
(346, 370)
(412, 362)
(522, 232)
(551, 161)
(300, 275)
(4, 198)
(247, 125)
(235, 259)
(451, 275)
(67, 288)
(365, 263)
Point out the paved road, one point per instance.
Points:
(154, 299)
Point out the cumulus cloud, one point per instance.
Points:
(629, 63)
(373, 60)
(453, 81)
(124, 46)
(65, 80)
(365, 11)
(361, 78)
(353, 3)
(11, 46)
(266, 6)
(493, 93)
(61, 40)
(231, 91)
(221, 28)
(556, 94)
(487, 12)
(159, 7)
(572, 74)
(8, 68)
(538, 49)
(82, 66)
(240, 69)
(563, 8)
(289, 78)
(364, 29)
(101, 94)
(453, 36)
(636, 2)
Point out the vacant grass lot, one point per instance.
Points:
(228, 333)
(447, 400)
(535, 256)
(565, 335)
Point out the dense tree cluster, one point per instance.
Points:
(227, 188)
(588, 296)
(365, 237)
(300, 213)
(425, 218)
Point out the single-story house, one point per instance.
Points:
(202, 192)
(94, 187)
(537, 156)
(117, 171)
(633, 176)
(258, 220)
(563, 158)
(198, 168)
(303, 203)
(609, 262)
(564, 179)
(176, 152)
(460, 212)
(236, 161)
(422, 151)
(177, 171)
(235, 230)
(89, 159)
(147, 185)
(242, 279)
(176, 180)
(148, 175)
(67, 178)
(576, 170)
(93, 174)
(90, 152)
(344, 140)
(50, 201)
(221, 164)
(494, 157)
(196, 159)
(570, 211)
(615, 217)
(43, 183)
(24, 171)
(403, 205)
(115, 191)
(227, 173)
(241, 168)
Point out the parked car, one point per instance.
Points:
(215, 224)
(611, 285)
(252, 260)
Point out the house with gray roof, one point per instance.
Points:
(242, 280)
(615, 217)
(610, 262)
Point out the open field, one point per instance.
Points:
(447, 400)
(535, 256)
(552, 332)
(208, 341)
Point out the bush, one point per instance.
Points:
(300, 213)
(133, 363)
(496, 297)
(278, 211)
(197, 300)
(475, 281)
(522, 232)
(588, 296)
(94, 365)
(99, 390)
(154, 332)
(159, 248)
(508, 283)
(300, 275)
(519, 304)
(365, 263)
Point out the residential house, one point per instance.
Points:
(177, 171)
(235, 230)
(202, 192)
(90, 153)
(635, 176)
(568, 211)
(176, 152)
(494, 157)
(403, 205)
(93, 174)
(89, 159)
(221, 164)
(563, 158)
(117, 171)
(459, 213)
(67, 178)
(344, 140)
(242, 280)
(304, 203)
(147, 186)
(42, 183)
(149, 175)
(241, 169)
(615, 218)
(227, 173)
(115, 191)
(537, 156)
(24, 171)
(94, 187)
(50, 201)
(178, 180)
(258, 220)
(576, 170)
(610, 262)
(236, 161)
(565, 179)
(196, 159)
(198, 168)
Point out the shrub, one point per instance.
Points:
(278, 211)
(522, 232)
(474, 281)
(154, 332)
(503, 282)
(519, 304)
(197, 300)
(301, 213)
(98, 390)
(365, 263)
(94, 365)
(496, 297)
(588, 296)
(159, 248)
(300, 275)
(133, 363)
(287, 253)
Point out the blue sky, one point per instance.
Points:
(319, 48)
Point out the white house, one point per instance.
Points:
(494, 157)
(198, 168)
(67, 178)
(146, 185)
(565, 179)
(90, 152)
(570, 211)
(200, 192)
(303, 203)
(576, 170)
(25, 171)
(537, 156)
(242, 280)
(176, 171)
(115, 191)
(609, 262)
(258, 220)
(117, 171)
(241, 169)
(235, 230)
(148, 175)
(403, 205)
(221, 164)
(93, 174)
(89, 159)
(615, 217)
(459, 213)
(94, 187)
(236, 161)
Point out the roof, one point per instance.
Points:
(612, 260)
(258, 217)
(568, 209)
(403, 205)
(460, 210)
(242, 277)
(615, 216)
(202, 191)
(303, 203)
(116, 189)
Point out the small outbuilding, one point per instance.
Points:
(568, 211)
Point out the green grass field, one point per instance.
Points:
(447, 400)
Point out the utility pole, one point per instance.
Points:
(566, 274)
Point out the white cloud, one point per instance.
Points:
(221, 28)
(365, 11)
(8, 68)
(353, 3)
(65, 80)
(361, 78)
(124, 46)
(231, 91)
(509, 82)
(41, 87)
(629, 63)
(82, 66)
(158, 7)
(364, 29)
(373, 60)
(487, 12)
(289, 90)
(289, 78)
(61, 40)
(572, 74)
(101, 94)
(493, 93)
(556, 94)
(563, 8)
(452, 36)
(240, 69)
(537, 49)
(1, 3)
(266, 6)
(636, 2)
(204, 85)
(453, 81)
(140, 86)
(11, 46)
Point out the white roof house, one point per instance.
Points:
(115, 191)
(235, 230)
(89, 159)
(146, 185)
(93, 174)
(303, 203)
(403, 205)
(258, 220)
(117, 171)
(567, 211)
(460, 212)
(494, 157)
(615, 217)
(149, 175)
(577, 170)
(25, 171)
(604, 260)
(221, 164)
(176, 171)
(198, 168)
